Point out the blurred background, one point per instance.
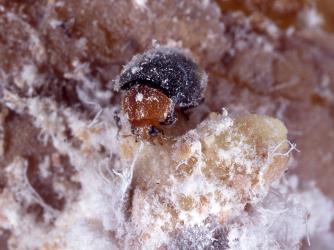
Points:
(267, 57)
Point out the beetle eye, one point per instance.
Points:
(153, 131)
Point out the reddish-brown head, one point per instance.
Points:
(147, 109)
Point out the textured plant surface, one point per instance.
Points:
(72, 178)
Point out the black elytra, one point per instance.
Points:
(171, 71)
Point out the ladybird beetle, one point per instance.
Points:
(155, 84)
